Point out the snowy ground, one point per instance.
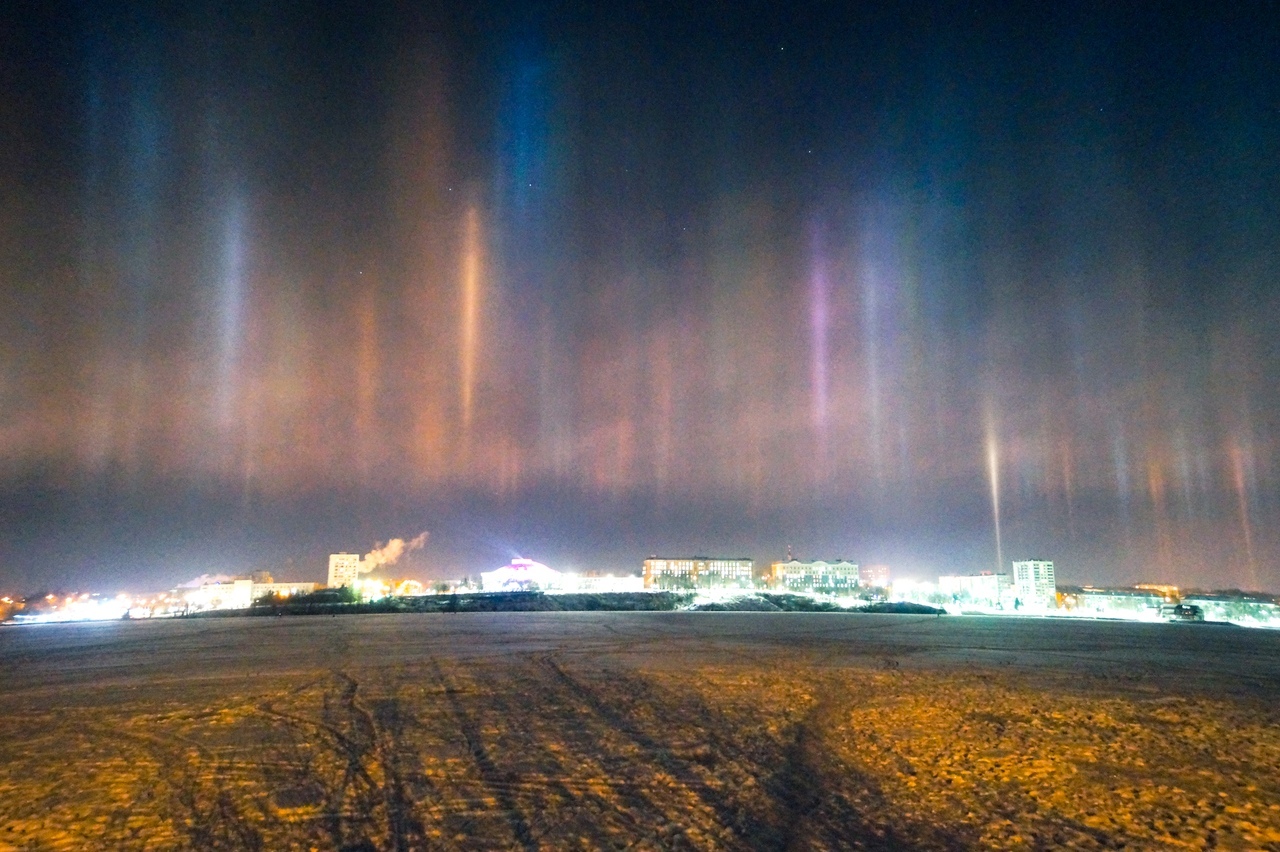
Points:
(640, 730)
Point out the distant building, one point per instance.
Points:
(607, 583)
(668, 573)
(1034, 584)
(409, 588)
(1118, 603)
(520, 576)
(698, 572)
(1247, 610)
(344, 569)
(819, 576)
(239, 592)
(221, 594)
(1170, 592)
(874, 575)
(983, 589)
(283, 590)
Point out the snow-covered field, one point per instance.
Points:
(650, 730)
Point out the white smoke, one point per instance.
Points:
(390, 553)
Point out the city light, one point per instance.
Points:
(1028, 588)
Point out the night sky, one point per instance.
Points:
(586, 283)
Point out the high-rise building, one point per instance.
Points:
(819, 576)
(698, 572)
(344, 569)
(1034, 584)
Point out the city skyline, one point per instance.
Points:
(920, 285)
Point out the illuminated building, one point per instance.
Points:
(410, 588)
(1034, 584)
(521, 575)
(874, 575)
(819, 576)
(1246, 610)
(240, 592)
(698, 572)
(221, 594)
(344, 569)
(371, 588)
(608, 584)
(1119, 603)
(282, 590)
(984, 588)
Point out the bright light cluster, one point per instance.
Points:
(93, 607)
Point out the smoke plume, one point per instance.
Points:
(390, 553)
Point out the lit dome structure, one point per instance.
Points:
(521, 575)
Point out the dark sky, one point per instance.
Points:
(585, 283)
